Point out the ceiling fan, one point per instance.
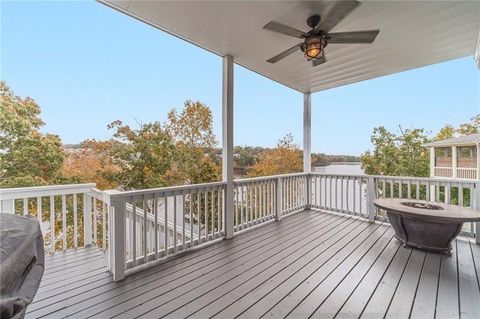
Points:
(315, 41)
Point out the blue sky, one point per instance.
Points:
(87, 65)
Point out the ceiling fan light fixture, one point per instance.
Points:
(313, 47)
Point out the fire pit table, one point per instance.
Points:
(426, 225)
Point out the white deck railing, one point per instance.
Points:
(341, 193)
(148, 225)
(460, 192)
(70, 216)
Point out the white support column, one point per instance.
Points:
(454, 162)
(227, 141)
(432, 161)
(307, 144)
(478, 161)
(307, 133)
(117, 241)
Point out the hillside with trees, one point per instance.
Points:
(181, 150)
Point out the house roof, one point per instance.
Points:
(471, 139)
(412, 34)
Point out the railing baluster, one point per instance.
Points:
(39, 210)
(64, 222)
(191, 217)
(241, 206)
(165, 223)
(52, 224)
(213, 212)
(134, 231)
(95, 220)
(75, 221)
(145, 226)
(155, 225)
(25, 206)
(175, 241)
(104, 227)
(199, 198)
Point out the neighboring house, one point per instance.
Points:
(457, 157)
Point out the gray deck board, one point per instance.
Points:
(426, 297)
(379, 302)
(201, 280)
(469, 289)
(405, 293)
(311, 264)
(447, 295)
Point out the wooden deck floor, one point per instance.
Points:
(311, 264)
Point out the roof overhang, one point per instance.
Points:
(412, 34)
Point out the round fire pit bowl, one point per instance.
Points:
(426, 225)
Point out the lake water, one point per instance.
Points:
(340, 169)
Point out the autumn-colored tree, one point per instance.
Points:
(445, 132)
(145, 156)
(283, 159)
(471, 127)
(27, 157)
(92, 163)
(192, 131)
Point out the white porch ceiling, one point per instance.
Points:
(412, 34)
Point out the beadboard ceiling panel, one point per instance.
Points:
(412, 34)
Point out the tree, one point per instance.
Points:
(145, 156)
(92, 163)
(401, 155)
(445, 132)
(285, 158)
(470, 128)
(192, 132)
(27, 157)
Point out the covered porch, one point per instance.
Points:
(298, 245)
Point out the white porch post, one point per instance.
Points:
(307, 133)
(227, 143)
(432, 161)
(307, 144)
(454, 162)
(478, 161)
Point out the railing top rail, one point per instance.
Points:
(170, 189)
(341, 175)
(426, 179)
(38, 191)
(262, 178)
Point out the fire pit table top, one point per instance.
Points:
(427, 210)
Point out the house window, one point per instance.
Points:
(443, 152)
(466, 152)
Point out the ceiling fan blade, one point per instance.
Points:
(285, 53)
(319, 61)
(336, 13)
(284, 29)
(352, 37)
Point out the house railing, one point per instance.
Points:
(456, 173)
(466, 173)
(70, 216)
(340, 193)
(460, 192)
(142, 226)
